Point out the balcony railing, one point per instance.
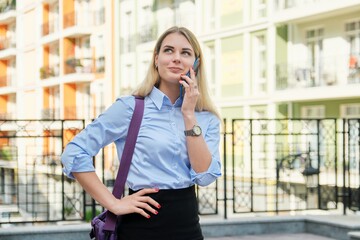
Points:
(84, 112)
(7, 115)
(7, 42)
(50, 113)
(285, 4)
(50, 27)
(84, 65)
(84, 18)
(49, 71)
(327, 71)
(7, 80)
(147, 33)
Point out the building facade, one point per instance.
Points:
(264, 58)
(53, 59)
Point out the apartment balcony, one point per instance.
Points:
(81, 23)
(7, 11)
(84, 65)
(84, 112)
(7, 47)
(49, 71)
(7, 115)
(328, 72)
(7, 81)
(147, 34)
(50, 113)
(298, 10)
(129, 43)
(50, 27)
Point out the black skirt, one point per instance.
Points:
(177, 218)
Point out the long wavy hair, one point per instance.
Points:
(152, 77)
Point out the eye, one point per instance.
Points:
(186, 53)
(168, 50)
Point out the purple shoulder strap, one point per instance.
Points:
(126, 157)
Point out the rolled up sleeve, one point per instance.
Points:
(108, 127)
(212, 138)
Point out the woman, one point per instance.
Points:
(177, 146)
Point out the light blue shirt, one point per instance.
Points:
(160, 158)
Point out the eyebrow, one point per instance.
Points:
(168, 46)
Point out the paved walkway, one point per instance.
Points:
(294, 236)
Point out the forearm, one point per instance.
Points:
(97, 190)
(199, 154)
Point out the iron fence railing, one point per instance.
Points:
(268, 166)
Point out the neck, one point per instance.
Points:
(172, 91)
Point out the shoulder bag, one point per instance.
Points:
(104, 225)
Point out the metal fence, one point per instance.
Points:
(269, 166)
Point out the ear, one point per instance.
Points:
(156, 60)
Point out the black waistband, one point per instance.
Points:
(165, 194)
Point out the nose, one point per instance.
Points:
(176, 57)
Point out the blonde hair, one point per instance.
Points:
(152, 77)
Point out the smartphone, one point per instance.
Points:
(195, 67)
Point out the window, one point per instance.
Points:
(11, 72)
(313, 64)
(353, 36)
(84, 101)
(209, 51)
(209, 15)
(259, 63)
(259, 9)
(127, 31)
(99, 54)
(316, 111)
(54, 17)
(350, 110)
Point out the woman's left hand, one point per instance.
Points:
(191, 92)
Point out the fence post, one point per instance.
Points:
(225, 170)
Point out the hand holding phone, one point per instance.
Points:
(195, 67)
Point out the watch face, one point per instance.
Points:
(197, 130)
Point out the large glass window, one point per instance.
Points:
(314, 62)
(350, 110)
(209, 15)
(232, 12)
(258, 9)
(353, 36)
(232, 67)
(209, 52)
(259, 63)
(316, 111)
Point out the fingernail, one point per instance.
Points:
(156, 189)
(148, 216)
(156, 212)
(159, 206)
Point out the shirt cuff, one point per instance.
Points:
(206, 178)
(79, 164)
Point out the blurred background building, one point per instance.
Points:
(264, 58)
(70, 59)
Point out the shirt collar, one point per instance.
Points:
(160, 99)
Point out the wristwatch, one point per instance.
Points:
(195, 131)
